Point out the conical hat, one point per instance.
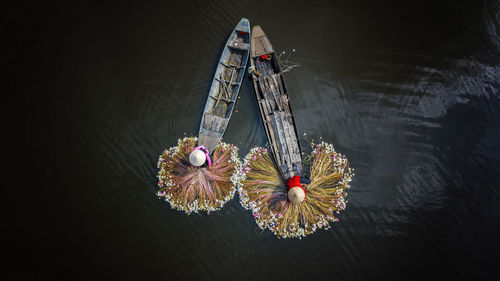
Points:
(296, 195)
(197, 158)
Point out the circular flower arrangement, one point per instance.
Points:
(194, 189)
(263, 191)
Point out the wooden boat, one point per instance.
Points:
(225, 86)
(275, 109)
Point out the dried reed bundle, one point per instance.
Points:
(191, 188)
(263, 191)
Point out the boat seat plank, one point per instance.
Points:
(208, 140)
(245, 30)
(222, 99)
(282, 83)
(214, 123)
(239, 45)
(231, 65)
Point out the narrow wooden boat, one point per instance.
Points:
(225, 86)
(275, 109)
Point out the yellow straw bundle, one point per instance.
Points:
(263, 191)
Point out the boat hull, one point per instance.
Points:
(273, 100)
(225, 86)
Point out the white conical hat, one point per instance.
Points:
(296, 195)
(197, 158)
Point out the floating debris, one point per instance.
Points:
(285, 63)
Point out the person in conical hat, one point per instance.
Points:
(296, 193)
(190, 180)
(298, 206)
(199, 156)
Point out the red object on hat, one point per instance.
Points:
(295, 182)
(263, 57)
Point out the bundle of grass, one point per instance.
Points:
(190, 188)
(263, 191)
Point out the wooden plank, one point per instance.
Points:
(278, 80)
(229, 95)
(239, 45)
(266, 120)
(276, 131)
(235, 57)
(226, 100)
(214, 123)
(284, 154)
(209, 139)
(273, 88)
(265, 94)
(231, 65)
(291, 140)
(285, 142)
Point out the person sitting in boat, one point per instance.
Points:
(297, 193)
(200, 157)
(252, 70)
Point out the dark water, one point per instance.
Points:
(408, 90)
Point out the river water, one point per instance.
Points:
(408, 90)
